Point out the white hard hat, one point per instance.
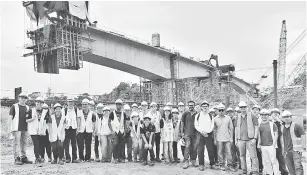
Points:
(256, 106)
(39, 99)
(229, 109)
(118, 101)
(211, 110)
(221, 106)
(126, 107)
(204, 102)
(216, 107)
(166, 108)
(70, 99)
(92, 102)
(275, 110)
(169, 104)
(23, 94)
(242, 104)
(153, 104)
(45, 105)
(264, 112)
(180, 104)
(57, 105)
(144, 103)
(106, 108)
(237, 109)
(134, 114)
(85, 101)
(174, 110)
(100, 105)
(134, 105)
(286, 113)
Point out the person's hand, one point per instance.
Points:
(253, 141)
(146, 145)
(150, 146)
(205, 134)
(236, 143)
(258, 146)
(274, 144)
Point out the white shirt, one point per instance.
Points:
(204, 123)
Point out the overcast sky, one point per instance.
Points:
(242, 33)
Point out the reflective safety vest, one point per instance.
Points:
(56, 132)
(38, 127)
(15, 121)
(297, 142)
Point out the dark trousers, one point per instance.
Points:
(182, 150)
(175, 151)
(44, 144)
(84, 139)
(119, 146)
(70, 138)
(146, 150)
(35, 140)
(259, 156)
(281, 161)
(157, 143)
(201, 142)
(235, 155)
(96, 147)
(57, 150)
(190, 147)
(128, 140)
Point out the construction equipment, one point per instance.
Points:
(281, 67)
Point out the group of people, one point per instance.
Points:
(274, 141)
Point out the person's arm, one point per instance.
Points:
(214, 131)
(110, 125)
(144, 138)
(182, 124)
(30, 118)
(230, 126)
(150, 138)
(256, 126)
(275, 130)
(259, 140)
(299, 132)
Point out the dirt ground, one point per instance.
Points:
(8, 168)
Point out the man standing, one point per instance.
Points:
(188, 132)
(71, 114)
(275, 113)
(99, 115)
(128, 139)
(86, 127)
(155, 117)
(223, 132)
(18, 127)
(118, 118)
(234, 149)
(204, 125)
(256, 112)
(293, 137)
(246, 136)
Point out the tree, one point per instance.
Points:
(48, 94)
(34, 95)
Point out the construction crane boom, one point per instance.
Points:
(281, 67)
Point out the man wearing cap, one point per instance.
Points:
(128, 139)
(204, 125)
(267, 143)
(134, 107)
(223, 134)
(188, 132)
(105, 133)
(155, 117)
(144, 109)
(275, 116)
(292, 140)
(71, 113)
(99, 116)
(246, 137)
(19, 128)
(119, 118)
(86, 127)
(256, 112)
(37, 128)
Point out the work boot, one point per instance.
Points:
(194, 163)
(201, 167)
(186, 165)
(49, 159)
(75, 161)
(151, 163)
(54, 161)
(158, 160)
(61, 162)
(42, 160)
(222, 168)
(67, 161)
(18, 161)
(37, 161)
(97, 159)
(144, 163)
(26, 161)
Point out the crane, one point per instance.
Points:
(281, 67)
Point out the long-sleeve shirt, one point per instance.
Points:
(203, 123)
(223, 129)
